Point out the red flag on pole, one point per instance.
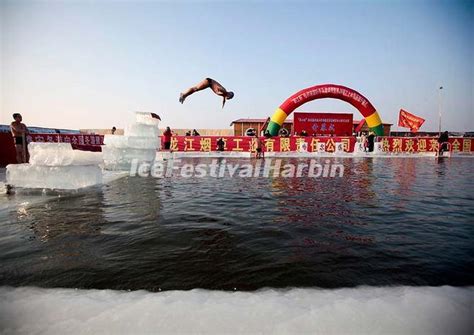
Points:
(265, 125)
(408, 120)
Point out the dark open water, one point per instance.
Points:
(399, 221)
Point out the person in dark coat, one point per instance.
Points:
(443, 141)
(371, 141)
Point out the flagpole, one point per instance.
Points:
(439, 109)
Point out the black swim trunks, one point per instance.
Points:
(259, 149)
(18, 140)
(209, 81)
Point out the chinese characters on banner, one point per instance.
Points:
(78, 141)
(294, 143)
(424, 144)
(247, 144)
(274, 144)
(323, 123)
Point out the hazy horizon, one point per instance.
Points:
(87, 64)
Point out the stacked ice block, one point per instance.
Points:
(56, 166)
(140, 141)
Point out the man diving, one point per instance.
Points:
(208, 83)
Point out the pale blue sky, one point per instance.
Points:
(90, 64)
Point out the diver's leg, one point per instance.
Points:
(199, 87)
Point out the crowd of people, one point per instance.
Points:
(192, 133)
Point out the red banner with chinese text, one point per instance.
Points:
(85, 142)
(277, 144)
(247, 144)
(79, 139)
(424, 144)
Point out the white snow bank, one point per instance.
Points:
(364, 310)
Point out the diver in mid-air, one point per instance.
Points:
(208, 83)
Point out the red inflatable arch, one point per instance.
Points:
(326, 91)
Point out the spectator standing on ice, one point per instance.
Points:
(167, 138)
(19, 132)
(220, 144)
(113, 130)
(363, 140)
(258, 147)
(371, 141)
(443, 142)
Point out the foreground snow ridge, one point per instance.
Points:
(363, 310)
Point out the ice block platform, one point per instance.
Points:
(141, 130)
(121, 158)
(135, 142)
(140, 142)
(53, 177)
(61, 154)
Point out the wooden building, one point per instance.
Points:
(386, 127)
(241, 125)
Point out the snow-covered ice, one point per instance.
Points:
(363, 310)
